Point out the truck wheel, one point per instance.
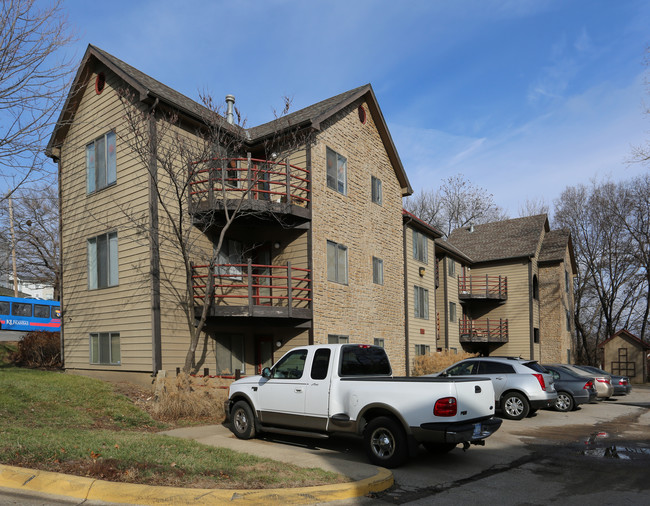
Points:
(514, 406)
(385, 442)
(243, 422)
(438, 448)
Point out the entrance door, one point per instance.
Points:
(262, 276)
(263, 352)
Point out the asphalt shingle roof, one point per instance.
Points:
(499, 240)
(554, 246)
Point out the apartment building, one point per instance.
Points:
(501, 288)
(314, 253)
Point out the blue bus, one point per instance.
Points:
(29, 314)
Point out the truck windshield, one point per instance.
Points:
(364, 361)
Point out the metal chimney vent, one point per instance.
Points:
(230, 101)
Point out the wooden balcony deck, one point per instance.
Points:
(483, 287)
(483, 331)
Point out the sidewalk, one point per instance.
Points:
(365, 478)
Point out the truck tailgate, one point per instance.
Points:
(475, 397)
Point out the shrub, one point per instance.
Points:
(39, 349)
(186, 396)
(436, 362)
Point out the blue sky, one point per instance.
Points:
(523, 97)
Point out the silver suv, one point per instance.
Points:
(521, 387)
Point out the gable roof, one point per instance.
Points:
(149, 90)
(625, 334)
(501, 240)
(554, 248)
(410, 219)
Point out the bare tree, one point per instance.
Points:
(455, 204)
(36, 227)
(533, 207)
(608, 287)
(33, 81)
(191, 170)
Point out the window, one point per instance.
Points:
(337, 168)
(379, 342)
(105, 348)
(41, 311)
(101, 167)
(567, 282)
(536, 336)
(229, 260)
(336, 339)
(568, 321)
(422, 349)
(463, 369)
(291, 366)
(102, 261)
(377, 271)
(419, 246)
(377, 197)
(451, 267)
(364, 361)
(452, 312)
(489, 367)
(321, 363)
(337, 262)
(4, 307)
(535, 288)
(229, 351)
(421, 302)
(21, 309)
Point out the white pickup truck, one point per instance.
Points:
(320, 390)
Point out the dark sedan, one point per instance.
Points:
(572, 389)
(621, 384)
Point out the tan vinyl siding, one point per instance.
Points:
(360, 309)
(420, 331)
(114, 309)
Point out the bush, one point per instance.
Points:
(193, 397)
(436, 362)
(39, 349)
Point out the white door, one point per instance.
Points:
(282, 397)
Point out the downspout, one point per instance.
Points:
(445, 301)
(154, 246)
(60, 166)
(406, 301)
(531, 333)
(310, 256)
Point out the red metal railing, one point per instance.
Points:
(254, 285)
(492, 287)
(248, 178)
(486, 330)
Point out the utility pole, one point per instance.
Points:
(13, 245)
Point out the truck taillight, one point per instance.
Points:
(542, 383)
(446, 406)
(588, 386)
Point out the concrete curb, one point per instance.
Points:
(78, 487)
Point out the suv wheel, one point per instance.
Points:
(515, 406)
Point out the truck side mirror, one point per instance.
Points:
(266, 373)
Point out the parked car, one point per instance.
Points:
(521, 387)
(621, 384)
(572, 389)
(322, 390)
(603, 382)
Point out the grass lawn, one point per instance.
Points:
(65, 423)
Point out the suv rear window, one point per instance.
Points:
(364, 361)
(535, 367)
(489, 367)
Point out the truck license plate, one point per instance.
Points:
(477, 430)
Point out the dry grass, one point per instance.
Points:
(189, 397)
(436, 362)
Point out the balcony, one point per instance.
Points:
(483, 288)
(483, 331)
(252, 184)
(254, 290)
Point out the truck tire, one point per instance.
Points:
(439, 448)
(242, 420)
(515, 406)
(385, 442)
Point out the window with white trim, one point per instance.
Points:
(105, 348)
(101, 164)
(419, 246)
(421, 302)
(422, 349)
(337, 339)
(229, 351)
(337, 168)
(376, 192)
(377, 271)
(102, 261)
(379, 342)
(452, 312)
(451, 267)
(337, 262)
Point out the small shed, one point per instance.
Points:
(626, 355)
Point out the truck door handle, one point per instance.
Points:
(298, 390)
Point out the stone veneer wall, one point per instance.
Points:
(359, 309)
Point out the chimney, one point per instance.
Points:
(230, 100)
(471, 227)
